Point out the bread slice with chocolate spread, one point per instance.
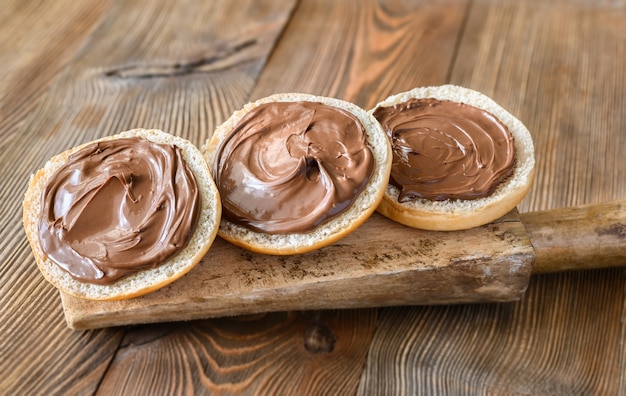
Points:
(78, 215)
(297, 172)
(460, 159)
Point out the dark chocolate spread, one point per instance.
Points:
(287, 167)
(446, 150)
(117, 207)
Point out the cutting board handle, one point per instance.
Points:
(583, 237)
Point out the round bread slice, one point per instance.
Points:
(147, 280)
(460, 214)
(333, 228)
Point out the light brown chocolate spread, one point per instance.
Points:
(446, 150)
(287, 167)
(117, 207)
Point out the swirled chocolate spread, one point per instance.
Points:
(289, 166)
(446, 150)
(117, 207)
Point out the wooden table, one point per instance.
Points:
(75, 70)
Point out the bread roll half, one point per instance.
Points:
(330, 230)
(459, 214)
(146, 280)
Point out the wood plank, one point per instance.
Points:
(546, 345)
(39, 354)
(271, 354)
(179, 66)
(382, 263)
(37, 41)
(364, 51)
(559, 67)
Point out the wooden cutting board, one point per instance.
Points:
(381, 264)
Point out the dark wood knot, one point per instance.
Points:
(319, 338)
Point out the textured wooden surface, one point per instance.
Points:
(184, 66)
(587, 236)
(381, 264)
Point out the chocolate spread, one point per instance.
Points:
(446, 150)
(117, 207)
(287, 167)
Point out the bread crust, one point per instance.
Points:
(144, 281)
(456, 214)
(336, 227)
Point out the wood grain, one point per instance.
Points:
(181, 67)
(37, 41)
(381, 264)
(363, 51)
(271, 354)
(588, 236)
(545, 345)
(38, 353)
